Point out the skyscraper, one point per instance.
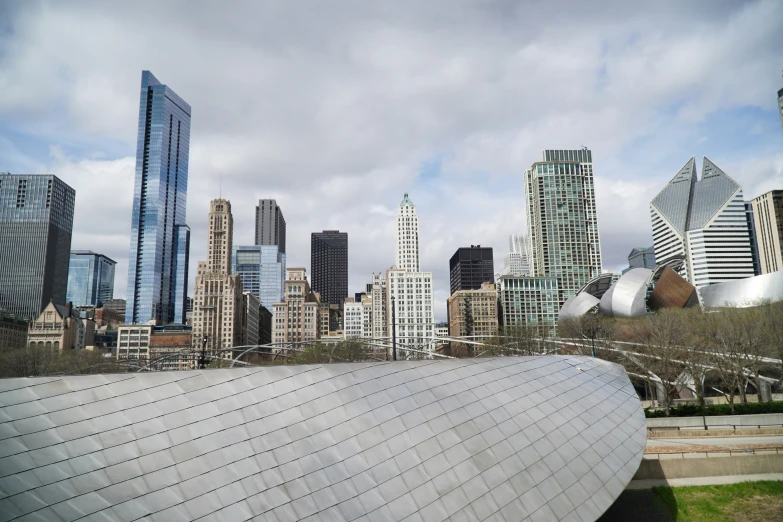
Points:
(409, 291)
(297, 318)
(469, 268)
(90, 278)
(159, 247)
(768, 217)
(517, 261)
(262, 270)
(780, 105)
(702, 222)
(641, 257)
(218, 301)
(329, 265)
(270, 224)
(407, 244)
(36, 220)
(754, 245)
(562, 220)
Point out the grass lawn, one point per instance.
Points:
(747, 501)
(744, 502)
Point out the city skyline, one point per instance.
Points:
(474, 160)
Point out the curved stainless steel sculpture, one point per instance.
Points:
(544, 438)
(578, 305)
(628, 296)
(605, 306)
(744, 292)
(597, 286)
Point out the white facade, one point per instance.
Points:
(441, 331)
(517, 261)
(768, 217)
(703, 221)
(407, 246)
(352, 320)
(367, 323)
(133, 342)
(379, 320)
(411, 293)
(409, 289)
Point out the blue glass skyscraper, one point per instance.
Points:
(90, 278)
(159, 248)
(262, 271)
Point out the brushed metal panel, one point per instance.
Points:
(744, 292)
(434, 439)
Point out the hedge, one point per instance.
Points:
(693, 410)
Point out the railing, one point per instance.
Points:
(728, 452)
(713, 427)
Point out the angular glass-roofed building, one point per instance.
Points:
(702, 221)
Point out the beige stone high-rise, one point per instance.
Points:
(768, 217)
(298, 318)
(218, 303)
(473, 312)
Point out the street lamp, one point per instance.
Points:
(202, 361)
(394, 330)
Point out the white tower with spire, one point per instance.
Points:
(407, 236)
(408, 291)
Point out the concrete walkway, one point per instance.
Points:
(716, 441)
(702, 481)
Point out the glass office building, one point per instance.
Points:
(90, 278)
(329, 265)
(262, 271)
(562, 220)
(159, 248)
(529, 301)
(36, 220)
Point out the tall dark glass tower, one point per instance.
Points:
(270, 224)
(159, 248)
(469, 267)
(329, 265)
(36, 220)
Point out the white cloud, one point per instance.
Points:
(332, 110)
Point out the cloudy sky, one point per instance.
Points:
(337, 110)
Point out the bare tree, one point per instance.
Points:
(725, 345)
(38, 361)
(772, 327)
(594, 331)
(696, 359)
(515, 340)
(661, 339)
(751, 327)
